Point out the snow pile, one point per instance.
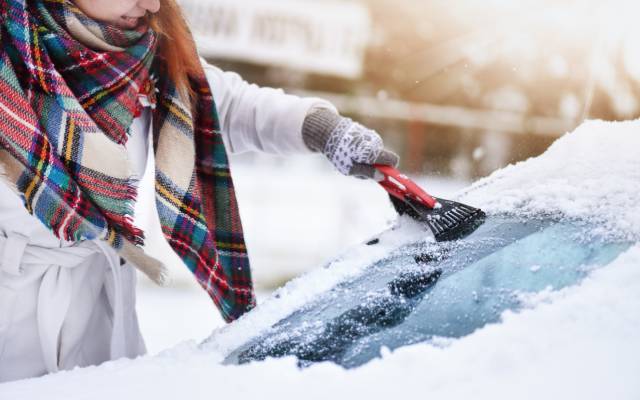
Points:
(591, 173)
(580, 342)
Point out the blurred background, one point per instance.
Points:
(457, 88)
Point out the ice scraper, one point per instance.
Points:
(448, 220)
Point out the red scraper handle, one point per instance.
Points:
(401, 187)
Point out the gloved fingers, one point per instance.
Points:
(365, 170)
(387, 157)
(362, 171)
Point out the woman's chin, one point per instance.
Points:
(127, 23)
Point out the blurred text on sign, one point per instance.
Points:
(326, 37)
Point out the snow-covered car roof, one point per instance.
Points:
(577, 342)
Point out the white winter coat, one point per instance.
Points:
(66, 304)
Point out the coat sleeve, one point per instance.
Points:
(254, 118)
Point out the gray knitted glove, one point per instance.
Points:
(351, 147)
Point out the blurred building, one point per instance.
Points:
(456, 87)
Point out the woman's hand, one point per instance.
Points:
(351, 147)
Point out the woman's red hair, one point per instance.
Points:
(176, 46)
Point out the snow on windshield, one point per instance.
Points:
(427, 291)
(579, 342)
(592, 173)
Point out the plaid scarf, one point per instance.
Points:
(69, 91)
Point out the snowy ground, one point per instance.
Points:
(580, 342)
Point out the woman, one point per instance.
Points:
(85, 86)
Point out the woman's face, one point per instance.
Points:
(121, 13)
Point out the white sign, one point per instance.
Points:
(327, 37)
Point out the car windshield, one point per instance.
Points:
(428, 291)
